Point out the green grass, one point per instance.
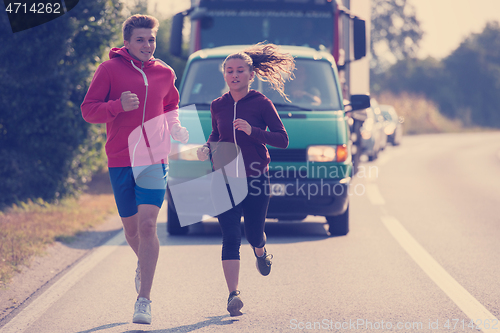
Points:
(28, 228)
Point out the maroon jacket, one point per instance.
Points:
(261, 114)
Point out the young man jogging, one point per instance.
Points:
(134, 95)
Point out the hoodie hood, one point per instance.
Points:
(251, 94)
(122, 52)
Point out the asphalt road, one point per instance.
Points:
(422, 256)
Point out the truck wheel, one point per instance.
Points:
(339, 225)
(173, 225)
(373, 156)
(292, 218)
(355, 162)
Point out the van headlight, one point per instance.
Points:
(334, 153)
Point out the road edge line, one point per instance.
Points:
(458, 294)
(25, 318)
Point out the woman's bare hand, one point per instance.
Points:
(242, 125)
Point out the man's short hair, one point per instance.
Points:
(138, 21)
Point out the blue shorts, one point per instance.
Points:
(137, 186)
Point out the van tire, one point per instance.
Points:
(296, 218)
(338, 225)
(173, 224)
(373, 156)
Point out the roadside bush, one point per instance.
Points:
(420, 115)
(46, 149)
(464, 85)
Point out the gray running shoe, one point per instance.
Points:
(138, 278)
(264, 263)
(234, 304)
(142, 313)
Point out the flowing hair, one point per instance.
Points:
(268, 63)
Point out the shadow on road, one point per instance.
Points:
(212, 321)
(103, 327)
(277, 232)
(210, 233)
(88, 240)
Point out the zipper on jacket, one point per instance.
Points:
(146, 84)
(234, 135)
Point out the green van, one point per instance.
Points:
(311, 176)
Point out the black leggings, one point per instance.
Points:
(254, 210)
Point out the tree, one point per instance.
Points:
(474, 74)
(138, 7)
(395, 33)
(464, 85)
(419, 76)
(162, 50)
(45, 145)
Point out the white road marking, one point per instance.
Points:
(37, 308)
(374, 195)
(461, 297)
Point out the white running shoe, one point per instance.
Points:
(138, 278)
(142, 313)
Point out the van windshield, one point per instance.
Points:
(278, 27)
(313, 88)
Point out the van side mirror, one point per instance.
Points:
(359, 102)
(359, 27)
(176, 34)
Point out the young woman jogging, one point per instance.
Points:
(134, 95)
(248, 119)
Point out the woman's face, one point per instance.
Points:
(237, 74)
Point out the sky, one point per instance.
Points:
(445, 22)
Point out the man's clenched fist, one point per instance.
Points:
(129, 100)
(179, 133)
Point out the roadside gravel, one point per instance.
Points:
(43, 271)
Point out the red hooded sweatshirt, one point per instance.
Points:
(141, 136)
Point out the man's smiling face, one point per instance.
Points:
(142, 44)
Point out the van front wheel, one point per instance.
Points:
(338, 225)
(173, 224)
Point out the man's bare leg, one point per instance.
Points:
(149, 247)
